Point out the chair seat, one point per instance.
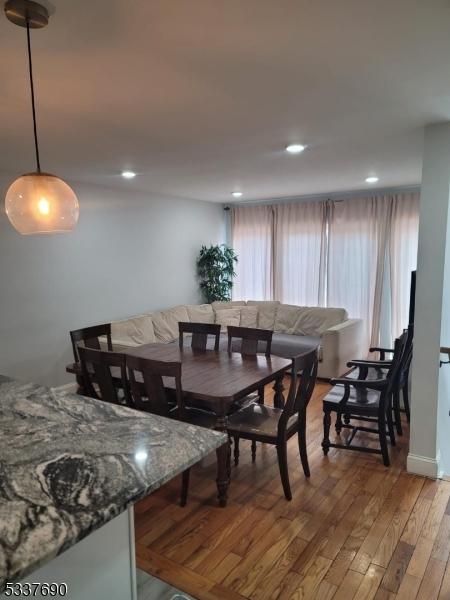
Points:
(196, 416)
(258, 418)
(243, 402)
(359, 401)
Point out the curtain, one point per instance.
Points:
(358, 230)
(403, 257)
(356, 254)
(300, 236)
(252, 240)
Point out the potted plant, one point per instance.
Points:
(215, 267)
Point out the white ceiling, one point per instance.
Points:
(201, 96)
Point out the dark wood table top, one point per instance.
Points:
(220, 376)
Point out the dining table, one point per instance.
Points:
(216, 381)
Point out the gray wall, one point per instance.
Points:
(129, 254)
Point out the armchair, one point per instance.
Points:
(368, 400)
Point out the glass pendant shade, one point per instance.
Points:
(41, 203)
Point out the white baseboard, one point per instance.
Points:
(423, 465)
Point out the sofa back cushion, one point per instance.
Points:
(219, 305)
(200, 313)
(267, 310)
(228, 316)
(304, 320)
(133, 332)
(249, 316)
(165, 323)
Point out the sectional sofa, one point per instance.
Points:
(296, 328)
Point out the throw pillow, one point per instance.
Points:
(249, 316)
(228, 316)
(200, 313)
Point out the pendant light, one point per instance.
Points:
(37, 202)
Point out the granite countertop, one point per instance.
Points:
(69, 464)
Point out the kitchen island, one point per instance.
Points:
(71, 469)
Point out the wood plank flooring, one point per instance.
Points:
(354, 530)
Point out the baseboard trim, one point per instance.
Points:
(425, 466)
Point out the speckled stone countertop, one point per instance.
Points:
(69, 464)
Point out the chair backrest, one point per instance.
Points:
(405, 365)
(303, 381)
(89, 338)
(147, 385)
(104, 373)
(200, 333)
(251, 340)
(394, 369)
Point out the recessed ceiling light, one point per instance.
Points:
(371, 179)
(236, 194)
(295, 148)
(128, 174)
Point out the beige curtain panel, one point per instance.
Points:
(354, 253)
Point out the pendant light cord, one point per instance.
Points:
(30, 69)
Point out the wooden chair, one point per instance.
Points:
(149, 394)
(249, 342)
(200, 333)
(364, 400)
(89, 338)
(275, 425)
(377, 369)
(98, 379)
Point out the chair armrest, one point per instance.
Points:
(374, 384)
(370, 363)
(382, 351)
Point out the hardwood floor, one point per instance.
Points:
(356, 529)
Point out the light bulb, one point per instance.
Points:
(44, 206)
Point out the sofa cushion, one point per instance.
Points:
(315, 321)
(133, 332)
(249, 316)
(288, 319)
(165, 323)
(228, 316)
(200, 313)
(219, 305)
(303, 320)
(267, 310)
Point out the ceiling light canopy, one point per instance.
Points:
(372, 179)
(128, 174)
(295, 148)
(37, 202)
(236, 194)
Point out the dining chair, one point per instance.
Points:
(261, 423)
(373, 369)
(250, 341)
(89, 338)
(367, 400)
(149, 394)
(99, 381)
(200, 333)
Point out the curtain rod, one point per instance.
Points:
(336, 196)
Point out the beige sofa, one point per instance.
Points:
(296, 328)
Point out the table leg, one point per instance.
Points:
(278, 399)
(223, 464)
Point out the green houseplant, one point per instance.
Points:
(215, 267)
